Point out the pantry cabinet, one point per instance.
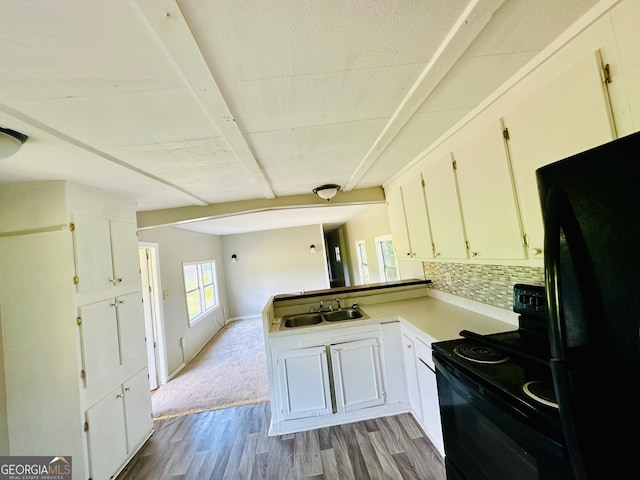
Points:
(73, 338)
(103, 250)
(568, 115)
(117, 424)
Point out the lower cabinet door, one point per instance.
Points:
(357, 374)
(106, 435)
(430, 405)
(137, 409)
(303, 382)
(409, 353)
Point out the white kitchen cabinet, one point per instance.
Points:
(428, 388)
(567, 116)
(103, 253)
(443, 204)
(422, 386)
(132, 334)
(409, 220)
(98, 327)
(112, 341)
(306, 379)
(118, 424)
(303, 381)
(417, 218)
(137, 409)
(106, 434)
(54, 333)
(398, 223)
(357, 374)
(409, 354)
(487, 197)
(329, 376)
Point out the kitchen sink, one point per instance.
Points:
(308, 319)
(346, 314)
(302, 320)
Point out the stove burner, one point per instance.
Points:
(542, 392)
(480, 353)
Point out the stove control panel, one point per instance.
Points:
(529, 300)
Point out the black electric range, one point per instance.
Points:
(498, 388)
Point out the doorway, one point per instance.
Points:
(148, 255)
(338, 269)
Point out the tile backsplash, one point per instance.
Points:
(490, 284)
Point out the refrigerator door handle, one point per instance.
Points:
(569, 280)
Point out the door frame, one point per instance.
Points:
(149, 256)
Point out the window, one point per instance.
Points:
(200, 288)
(387, 258)
(363, 266)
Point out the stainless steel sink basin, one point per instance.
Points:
(346, 314)
(308, 319)
(302, 320)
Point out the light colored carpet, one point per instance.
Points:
(229, 371)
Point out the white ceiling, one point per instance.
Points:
(193, 103)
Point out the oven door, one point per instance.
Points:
(485, 438)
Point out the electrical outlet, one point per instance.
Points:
(447, 279)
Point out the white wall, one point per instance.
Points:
(272, 262)
(175, 247)
(371, 223)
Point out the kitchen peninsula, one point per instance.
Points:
(379, 364)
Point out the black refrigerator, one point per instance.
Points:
(591, 211)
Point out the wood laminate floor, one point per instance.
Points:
(233, 444)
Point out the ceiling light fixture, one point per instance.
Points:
(327, 191)
(312, 249)
(234, 258)
(10, 141)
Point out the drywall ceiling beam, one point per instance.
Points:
(171, 28)
(174, 216)
(472, 21)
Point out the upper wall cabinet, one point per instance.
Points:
(443, 205)
(106, 253)
(568, 115)
(398, 222)
(409, 220)
(487, 197)
(415, 208)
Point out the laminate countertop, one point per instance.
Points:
(436, 320)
